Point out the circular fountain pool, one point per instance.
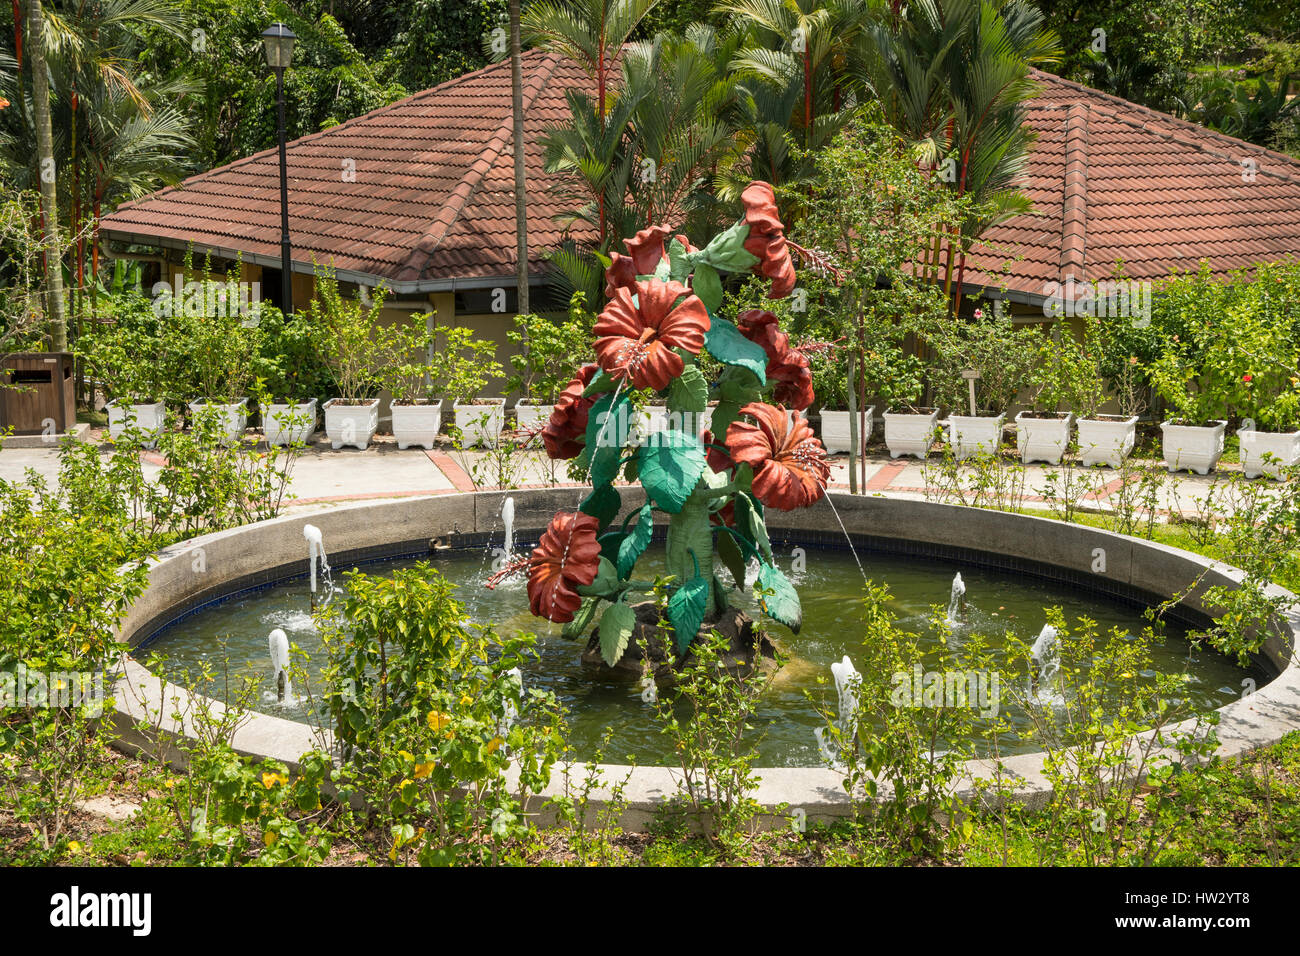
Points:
(1012, 564)
(229, 638)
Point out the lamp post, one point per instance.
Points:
(278, 42)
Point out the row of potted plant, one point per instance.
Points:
(1213, 350)
(146, 356)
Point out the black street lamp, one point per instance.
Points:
(278, 41)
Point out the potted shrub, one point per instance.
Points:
(219, 348)
(416, 411)
(550, 347)
(470, 365)
(1001, 354)
(1063, 376)
(356, 349)
(130, 355)
(909, 428)
(831, 385)
(1258, 360)
(290, 376)
(1110, 346)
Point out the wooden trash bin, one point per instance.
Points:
(39, 388)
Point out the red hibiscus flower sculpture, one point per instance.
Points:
(567, 557)
(636, 338)
(767, 239)
(786, 365)
(568, 421)
(789, 463)
(621, 272)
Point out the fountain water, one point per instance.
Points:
(956, 600)
(279, 645)
(847, 682)
(315, 553)
(1045, 658)
(508, 521)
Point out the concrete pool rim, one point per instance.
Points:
(195, 573)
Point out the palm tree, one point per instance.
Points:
(591, 33)
(795, 65)
(652, 157)
(952, 76)
(45, 163)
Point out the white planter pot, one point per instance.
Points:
(1193, 447)
(232, 418)
(1106, 442)
(351, 425)
(289, 424)
(907, 433)
(146, 418)
(530, 416)
(973, 435)
(697, 423)
(835, 429)
(417, 424)
(480, 425)
(1043, 439)
(1283, 446)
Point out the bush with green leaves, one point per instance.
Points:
(351, 341)
(549, 349)
(288, 366)
(1231, 348)
(132, 354)
(1002, 352)
(430, 712)
(447, 362)
(1114, 747)
(61, 597)
(1066, 377)
(900, 761)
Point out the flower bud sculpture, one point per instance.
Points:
(713, 485)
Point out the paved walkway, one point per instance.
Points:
(321, 474)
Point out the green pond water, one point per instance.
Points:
(231, 638)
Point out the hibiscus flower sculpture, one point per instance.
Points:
(786, 366)
(789, 462)
(565, 559)
(641, 327)
(721, 455)
(568, 421)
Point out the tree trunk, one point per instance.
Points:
(853, 420)
(521, 196)
(45, 165)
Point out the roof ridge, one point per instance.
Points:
(416, 263)
(1074, 200)
(309, 137)
(1119, 106)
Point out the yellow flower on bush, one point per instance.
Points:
(423, 770)
(466, 700)
(406, 755)
(74, 847)
(270, 780)
(493, 744)
(437, 720)
(269, 837)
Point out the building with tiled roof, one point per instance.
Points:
(419, 195)
(1113, 181)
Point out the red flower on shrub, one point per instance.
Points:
(786, 365)
(1248, 378)
(636, 338)
(568, 421)
(767, 239)
(567, 557)
(789, 463)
